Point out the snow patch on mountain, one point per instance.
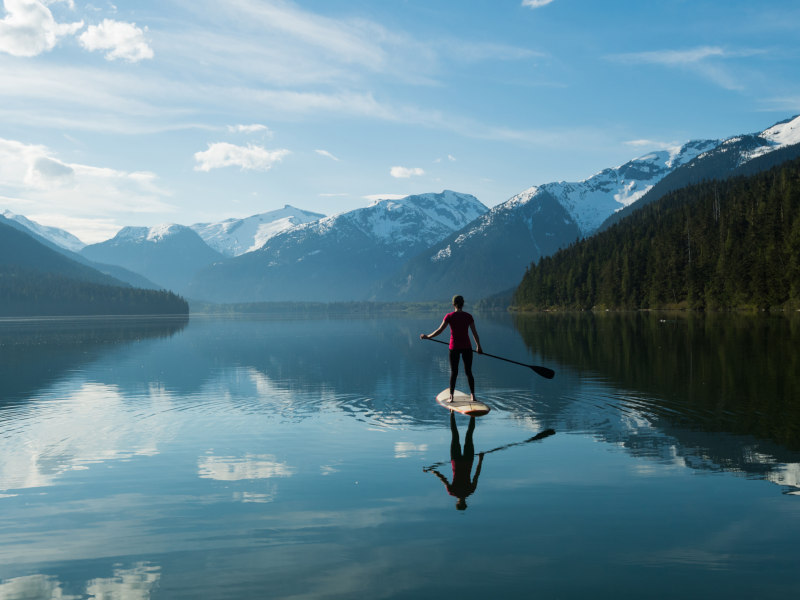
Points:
(778, 136)
(57, 236)
(234, 237)
(404, 224)
(161, 232)
(591, 201)
(786, 133)
(152, 235)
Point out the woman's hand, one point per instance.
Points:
(423, 336)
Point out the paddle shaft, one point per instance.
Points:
(543, 371)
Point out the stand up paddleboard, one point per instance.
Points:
(462, 404)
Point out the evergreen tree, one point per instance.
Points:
(711, 246)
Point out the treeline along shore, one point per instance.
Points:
(37, 280)
(30, 293)
(717, 245)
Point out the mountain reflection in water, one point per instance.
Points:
(283, 457)
(719, 391)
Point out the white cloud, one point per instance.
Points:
(406, 449)
(326, 154)
(121, 40)
(254, 128)
(535, 3)
(87, 229)
(652, 144)
(250, 466)
(704, 61)
(33, 181)
(671, 57)
(29, 28)
(352, 42)
(406, 172)
(223, 154)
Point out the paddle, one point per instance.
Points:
(543, 371)
(536, 438)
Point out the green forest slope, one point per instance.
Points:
(38, 281)
(712, 246)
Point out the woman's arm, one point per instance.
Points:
(427, 336)
(478, 348)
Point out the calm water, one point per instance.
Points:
(268, 458)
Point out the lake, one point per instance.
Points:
(266, 457)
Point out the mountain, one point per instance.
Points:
(740, 155)
(715, 245)
(168, 254)
(57, 236)
(36, 280)
(32, 228)
(233, 237)
(341, 257)
(491, 254)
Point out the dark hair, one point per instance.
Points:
(458, 301)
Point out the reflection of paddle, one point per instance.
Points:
(543, 371)
(536, 438)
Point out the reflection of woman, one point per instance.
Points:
(460, 323)
(462, 486)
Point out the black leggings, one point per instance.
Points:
(466, 355)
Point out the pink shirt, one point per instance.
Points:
(459, 322)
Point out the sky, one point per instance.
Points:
(188, 111)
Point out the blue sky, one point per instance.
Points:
(186, 111)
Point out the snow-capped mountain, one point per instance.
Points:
(42, 279)
(61, 238)
(405, 226)
(785, 133)
(490, 255)
(233, 237)
(167, 254)
(592, 200)
(338, 257)
(739, 155)
(31, 228)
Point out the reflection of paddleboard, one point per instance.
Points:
(462, 404)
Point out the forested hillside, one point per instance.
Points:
(712, 246)
(37, 281)
(25, 292)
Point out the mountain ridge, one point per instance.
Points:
(414, 248)
(36, 280)
(338, 257)
(234, 237)
(585, 207)
(167, 254)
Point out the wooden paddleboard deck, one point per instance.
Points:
(462, 404)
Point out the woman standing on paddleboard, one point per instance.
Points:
(460, 323)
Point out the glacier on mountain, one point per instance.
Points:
(234, 237)
(57, 236)
(404, 224)
(591, 201)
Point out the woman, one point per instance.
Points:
(463, 484)
(460, 323)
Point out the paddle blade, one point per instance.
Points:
(543, 371)
(542, 435)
